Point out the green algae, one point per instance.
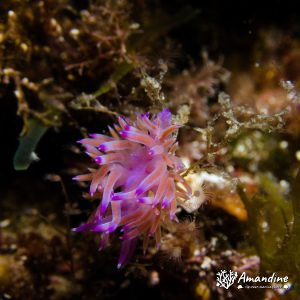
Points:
(25, 153)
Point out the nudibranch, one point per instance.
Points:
(137, 180)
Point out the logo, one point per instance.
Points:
(225, 279)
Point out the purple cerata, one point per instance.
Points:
(137, 180)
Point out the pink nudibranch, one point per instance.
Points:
(138, 161)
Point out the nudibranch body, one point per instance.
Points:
(137, 180)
